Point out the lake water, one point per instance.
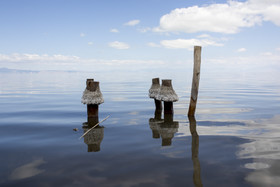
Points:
(235, 140)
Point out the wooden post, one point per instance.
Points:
(157, 115)
(155, 85)
(168, 107)
(88, 82)
(195, 81)
(158, 104)
(92, 113)
(92, 109)
(168, 91)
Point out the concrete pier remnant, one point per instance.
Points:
(167, 95)
(153, 92)
(92, 97)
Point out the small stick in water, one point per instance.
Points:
(94, 126)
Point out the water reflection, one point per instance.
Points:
(154, 123)
(167, 129)
(164, 128)
(27, 170)
(195, 147)
(264, 150)
(261, 152)
(94, 137)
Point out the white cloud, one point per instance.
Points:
(146, 29)
(266, 54)
(270, 9)
(82, 34)
(203, 36)
(119, 45)
(241, 50)
(277, 49)
(227, 18)
(132, 22)
(152, 44)
(36, 57)
(37, 62)
(90, 43)
(188, 43)
(114, 30)
(29, 58)
(261, 62)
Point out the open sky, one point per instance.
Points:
(135, 34)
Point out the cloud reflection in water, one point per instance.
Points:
(27, 170)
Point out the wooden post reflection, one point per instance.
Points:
(167, 129)
(94, 138)
(164, 128)
(154, 123)
(195, 146)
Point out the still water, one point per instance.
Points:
(233, 141)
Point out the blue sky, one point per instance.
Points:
(108, 34)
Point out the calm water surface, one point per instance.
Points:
(234, 140)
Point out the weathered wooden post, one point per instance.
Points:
(167, 95)
(153, 92)
(195, 80)
(92, 96)
(154, 122)
(163, 128)
(87, 83)
(195, 146)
